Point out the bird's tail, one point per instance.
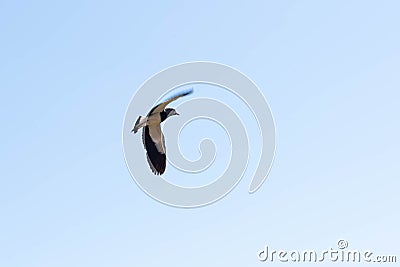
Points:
(140, 122)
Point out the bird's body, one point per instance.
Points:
(152, 136)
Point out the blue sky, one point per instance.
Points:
(329, 70)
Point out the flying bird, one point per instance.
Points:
(152, 136)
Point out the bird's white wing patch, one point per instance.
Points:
(157, 137)
(161, 107)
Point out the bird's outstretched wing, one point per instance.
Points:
(153, 140)
(160, 107)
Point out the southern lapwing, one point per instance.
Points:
(153, 138)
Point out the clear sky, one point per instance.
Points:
(68, 69)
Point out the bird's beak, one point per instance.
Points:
(177, 113)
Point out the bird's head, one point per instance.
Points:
(171, 112)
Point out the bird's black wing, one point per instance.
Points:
(160, 107)
(155, 149)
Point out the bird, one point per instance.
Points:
(152, 136)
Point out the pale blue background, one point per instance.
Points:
(329, 69)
